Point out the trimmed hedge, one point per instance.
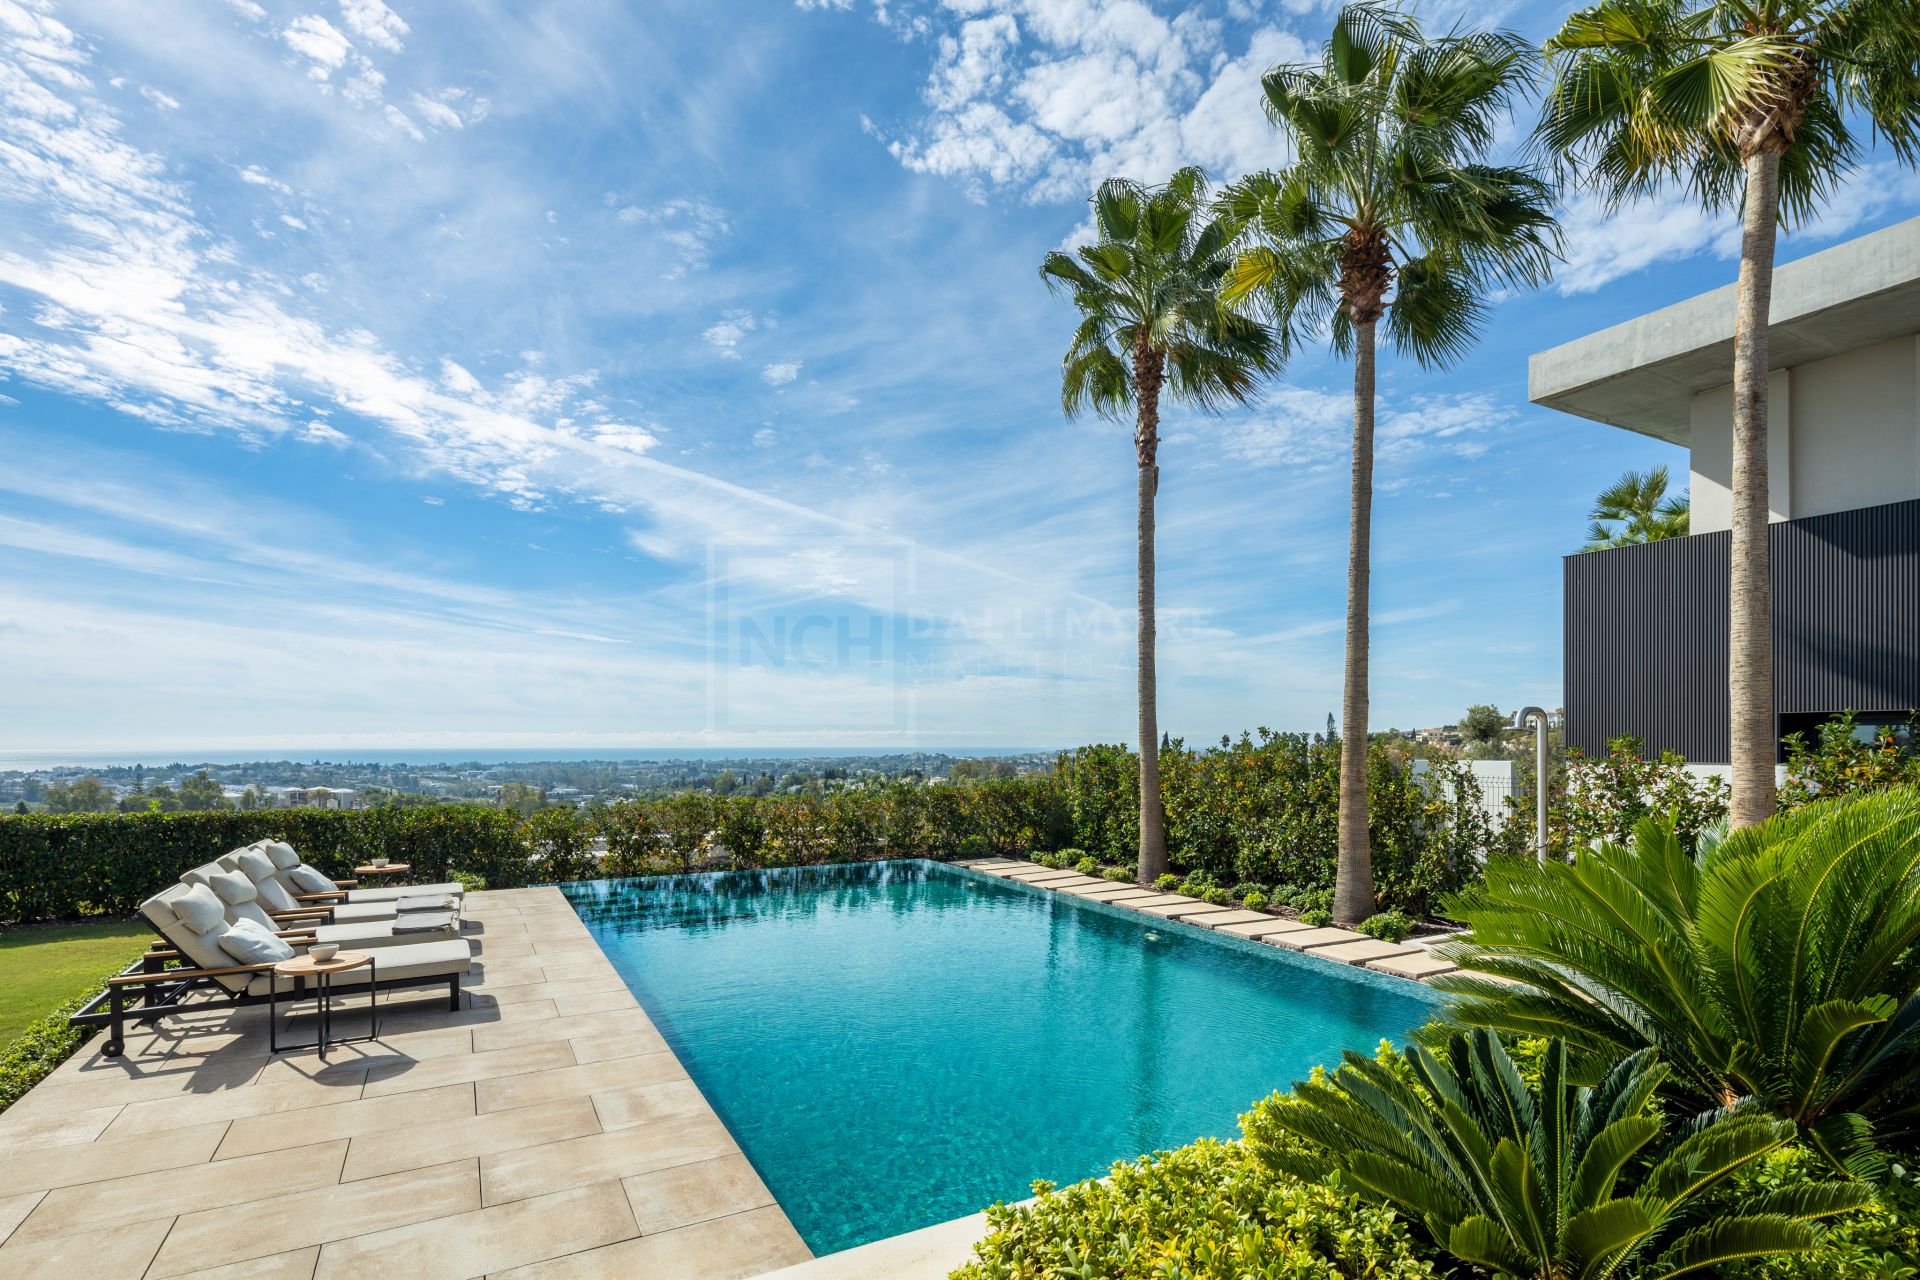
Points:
(46, 1042)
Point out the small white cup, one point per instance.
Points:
(379, 862)
(323, 951)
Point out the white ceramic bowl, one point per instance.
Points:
(323, 951)
(379, 862)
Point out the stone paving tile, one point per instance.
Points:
(667, 1199)
(405, 1078)
(115, 1253)
(1231, 916)
(215, 1237)
(643, 1104)
(1264, 928)
(120, 1201)
(527, 1088)
(627, 1044)
(14, 1211)
(731, 1248)
(595, 1002)
(420, 1146)
(501, 1236)
(1419, 964)
(577, 969)
(295, 1264)
(23, 1171)
(253, 1134)
(1098, 889)
(534, 1171)
(1363, 951)
(1155, 900)
(28, 1131)
(1302, 939)
(615, 1022)
(1177, 910)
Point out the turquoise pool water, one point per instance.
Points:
(899, 1043)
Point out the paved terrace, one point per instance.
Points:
(544, 1132)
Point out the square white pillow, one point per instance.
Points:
(257, 865)
(281, 853)
(273, 897)
(232, 887)
(201, 909)
(249, 943)
(309, 880)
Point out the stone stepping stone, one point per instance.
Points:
(1232, 915)
(1306, 939)
(1368, 949)
(1072, 880)
(1176, 910)
(1263, 928)
(1101, 889)
(1155, 900)
(1420, 965)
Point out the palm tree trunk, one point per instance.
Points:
(1753, 742)
(1153, 831)
(1353, 875)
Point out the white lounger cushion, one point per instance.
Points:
(412, 960)
(363, 935)
(236, 892)
(163, 911)
(248, 943)
(307, 880)
(259, 868)
(396, 892)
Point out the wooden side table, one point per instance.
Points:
(367, 871)
(320, 972)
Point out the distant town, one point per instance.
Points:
(1483, 733)
(524, 785)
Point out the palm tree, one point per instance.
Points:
(1551, 1181)
(1636, 509)
(1779, 964)
(1748, 104)
(1388, 215)
(1152, 324)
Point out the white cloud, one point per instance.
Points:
(1049, 97)
(165, 101)
(373, 22)
(689, 227)
(726, 336)
(320, 42)
(249, 9)
(779, 375)
(253, 175)
(1308, 429)
(317, 432)
(400, 120)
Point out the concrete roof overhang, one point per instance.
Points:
(1642, 375)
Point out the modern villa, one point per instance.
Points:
(1646, 626)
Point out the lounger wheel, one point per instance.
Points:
(113, 1048)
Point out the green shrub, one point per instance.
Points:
(1241, 890)
(1255, 901)
(1216, 896)
(973, 847)
(1318, 917)
(1880, 1242)
(1123, 874)
(1388, 926)
(1167, 883)
(45, 1043)
(468, 880)
(1203, 1212)
(1311, 900)
(1088, 865)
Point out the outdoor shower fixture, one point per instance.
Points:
(1539, 719)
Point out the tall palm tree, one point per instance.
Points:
(1748, 103)
(1389, 215)
(1153, 324)
(1636, 509)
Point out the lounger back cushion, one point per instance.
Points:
(200, 909)
(249, 943)
(164, 910)
(281, 853)
(310, 881)
(259, 868)
(237, 892)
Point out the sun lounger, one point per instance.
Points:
(310, 885)
(201, 958)
(269, 897)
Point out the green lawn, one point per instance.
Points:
(48, 965)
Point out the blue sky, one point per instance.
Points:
(585, 374)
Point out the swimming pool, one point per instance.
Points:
(894, 1044)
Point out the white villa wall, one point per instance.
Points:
(1842, 432)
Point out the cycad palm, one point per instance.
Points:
(1780, 963)
(1389, 214)
(1553, 1182)
(1636, 509)
(1749, 105)
(1153, 324)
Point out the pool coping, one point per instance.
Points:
(1388, 965)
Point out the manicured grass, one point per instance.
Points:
(47, 965)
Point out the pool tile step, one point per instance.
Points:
(1307, 939)
(1420, 964)
(1367, 949)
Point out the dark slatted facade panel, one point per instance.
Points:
(1646, 629)
(1646, 647)
(1846, 629)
